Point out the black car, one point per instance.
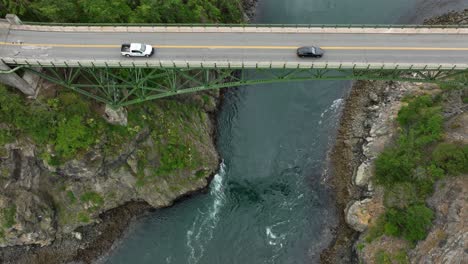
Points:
(311, 51)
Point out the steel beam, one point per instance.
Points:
(127, 86)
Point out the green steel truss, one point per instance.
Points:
(123, 87)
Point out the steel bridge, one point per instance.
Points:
(191, 58)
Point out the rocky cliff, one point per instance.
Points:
(47, 196)
(368, 127)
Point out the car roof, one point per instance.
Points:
(135, 46)
(308, 47)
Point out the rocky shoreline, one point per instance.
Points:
(366, 127)
(358, 123)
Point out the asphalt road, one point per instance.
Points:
(260, 47)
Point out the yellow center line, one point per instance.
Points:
(237, 47)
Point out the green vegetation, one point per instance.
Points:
(83, 217)
(72, 135)
(67, 122)
(8, 215)
(71, 197)
(383, 257)
(67, 126)
(460, 78)
(360, 246)
(409, 170)
(465, 100)
(5, 136)
(453, 159)
(92, 197)
(59, 122)
(125, 11)
(411, 223)
(172, 126)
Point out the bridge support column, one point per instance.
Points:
(14, 80)
(13, 19)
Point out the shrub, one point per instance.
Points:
(413, 223)
(11, 106)
(391, 229)
(422, 119)
(435, 172)
(72, 135)
(394, 165)
(39, 123)
(410, 114)
(83, 217)
(418, 220)
(382, 257)
(401, 257)
(401, 195)
(451, 158)
(9, 214)
(377, 229)
(72, 103)
(429, 130)
(5, 136)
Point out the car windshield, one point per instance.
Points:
(312, 50)
(143, 48)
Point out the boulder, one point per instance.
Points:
(116, 116)
(363, 174)
(373, 97)
(357, 215)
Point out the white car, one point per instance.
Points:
(136, 50)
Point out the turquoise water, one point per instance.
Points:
(268, 203)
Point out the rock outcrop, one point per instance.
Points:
(116, 116)
(45, 204)
(377, 130)
(447, 241)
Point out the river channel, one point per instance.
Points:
(268, 203)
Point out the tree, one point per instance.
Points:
(17, 7)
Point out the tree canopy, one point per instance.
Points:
(125, 11)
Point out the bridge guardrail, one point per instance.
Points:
(245, 25)
(230, 64)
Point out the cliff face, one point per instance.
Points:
(446, 242)
(165, 152)
(368, 126)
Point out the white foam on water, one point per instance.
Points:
(202, 228)
(332, 109)
(275, 239)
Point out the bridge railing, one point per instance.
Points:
(228, 64)
(246, 25)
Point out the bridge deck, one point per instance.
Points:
(345, 48)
